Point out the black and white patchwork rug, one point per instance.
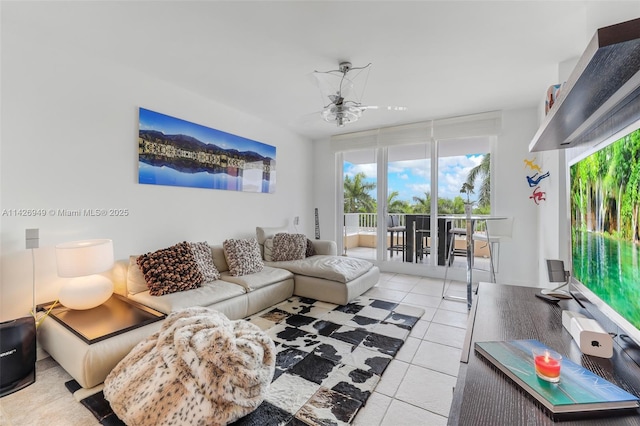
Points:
(329, 360)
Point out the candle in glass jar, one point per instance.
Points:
(547, 364)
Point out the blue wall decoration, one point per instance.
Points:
(176, 152)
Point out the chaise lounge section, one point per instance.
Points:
(324, 275)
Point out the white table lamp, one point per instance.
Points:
(82, 261)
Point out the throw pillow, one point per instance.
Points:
(289, 247)
(262, 233)
(135, 278)
(170, 270)
(243, 256)
(204, 261)
(311, 250)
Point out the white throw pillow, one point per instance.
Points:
(135, 278)
(268, 249)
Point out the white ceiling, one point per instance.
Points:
(438, 59)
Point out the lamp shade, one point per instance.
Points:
(80, 258)
(82, 261)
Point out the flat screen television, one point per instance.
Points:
(604, 209)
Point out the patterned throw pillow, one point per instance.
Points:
(289, 247)
(243, 256)
(170, 270)
(204, 260)
(311, 250)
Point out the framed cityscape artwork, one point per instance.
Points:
(176, 152)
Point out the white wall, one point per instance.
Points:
(518, 257)
(69, 141)
(325, 190)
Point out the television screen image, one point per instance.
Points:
(604, 198)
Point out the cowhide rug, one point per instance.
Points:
(329, 360)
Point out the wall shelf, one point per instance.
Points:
(602, 94)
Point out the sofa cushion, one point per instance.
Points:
(288, 247)
(205, 295)
(170, 270)
(310, 250)
(260, 279)
(217, 253)
(135, 278)
(243, 256)
(268, 250)
(335, 268)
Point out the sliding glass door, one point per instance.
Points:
(360, 204)
(395, 197)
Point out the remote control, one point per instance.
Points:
(546, 298)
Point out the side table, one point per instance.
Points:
(88, 344)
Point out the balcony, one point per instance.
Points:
(360, 237)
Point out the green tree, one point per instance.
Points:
(482, 171)
(422, 205)
(357, 198)
(397, 206)
(448, 206)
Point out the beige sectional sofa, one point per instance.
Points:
(236, 297)
(324, 276)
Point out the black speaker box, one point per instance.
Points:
(17, 354)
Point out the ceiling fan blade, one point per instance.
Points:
(384, 108)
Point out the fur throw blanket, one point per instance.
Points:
(200, 369)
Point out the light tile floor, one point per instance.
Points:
(416, 388)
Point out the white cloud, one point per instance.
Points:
(413, 177)
(369, 170)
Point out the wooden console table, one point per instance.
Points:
(483, 396)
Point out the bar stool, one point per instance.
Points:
(393, 226)
(422, 234)
(497, 232)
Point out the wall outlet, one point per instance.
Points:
(32, 238)
(296, 220)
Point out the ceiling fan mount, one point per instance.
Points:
(345, 67)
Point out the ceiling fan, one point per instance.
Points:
(339, 88)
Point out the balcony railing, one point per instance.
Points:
(360, 230)
(357, 223)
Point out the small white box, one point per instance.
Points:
(590, 337)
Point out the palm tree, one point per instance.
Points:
(467, 188)
(396, 206)
(356, 195)
(483, 171)
(422, 205)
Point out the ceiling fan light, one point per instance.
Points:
(341, 115)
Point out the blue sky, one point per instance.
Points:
(413, 177)
(150, 120)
